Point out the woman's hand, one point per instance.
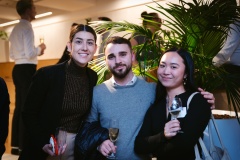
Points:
(171, 128)
(48, 149)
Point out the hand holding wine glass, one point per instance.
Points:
(61, 136)
(175, 108)
(113, 134)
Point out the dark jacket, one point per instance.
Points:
(88, 138)
(4, 115)
(42, 109)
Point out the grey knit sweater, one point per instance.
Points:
(128, 104)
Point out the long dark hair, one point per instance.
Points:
(82, 27)
(189, 70)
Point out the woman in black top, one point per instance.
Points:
(60, 96)
(159, 134)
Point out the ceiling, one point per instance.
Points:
(8, 10)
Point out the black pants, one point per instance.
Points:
(22, 75)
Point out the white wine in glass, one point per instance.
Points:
(41, 39)
(113, 134)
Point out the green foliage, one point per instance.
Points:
(201, 27)
(3, 35)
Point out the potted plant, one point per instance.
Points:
(200, 27)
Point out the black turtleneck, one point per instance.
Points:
(76, 100)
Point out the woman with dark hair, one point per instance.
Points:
(159, 135)
(60, 96)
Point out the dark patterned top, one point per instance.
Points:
(76, 100)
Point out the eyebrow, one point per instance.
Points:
(170, 63)
(122, 52)
(82, 39)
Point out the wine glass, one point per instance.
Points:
(41, 39)
(113, 134)
(61, 136)
(175, 108)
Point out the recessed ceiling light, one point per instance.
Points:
(16, 21)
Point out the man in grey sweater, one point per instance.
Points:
(124, 97)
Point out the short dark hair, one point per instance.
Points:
(82, 27)
(23, 5)
(118, 40)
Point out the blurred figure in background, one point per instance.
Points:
(137, 40)
(153, 26)
(24, 53)
(103, 35)
(229, 55)
(4, 115)
(66, 55)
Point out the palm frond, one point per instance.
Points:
(199, 26)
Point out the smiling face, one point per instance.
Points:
(82, 47)
(171, 70)
(118, 59)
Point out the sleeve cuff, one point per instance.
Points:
(38, 51)
(217, 61)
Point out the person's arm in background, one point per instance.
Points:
(30, 50)
(4, 115)
(230, 45)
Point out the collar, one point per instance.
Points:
(25, 21)
(74, 69)
(132, 82)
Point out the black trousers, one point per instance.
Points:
(22, 76)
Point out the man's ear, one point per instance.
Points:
(69, 47)
(133, 57)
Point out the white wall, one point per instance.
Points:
(56, 29)
(4, 51)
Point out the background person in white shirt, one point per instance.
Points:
(24, 53)
(229, 55)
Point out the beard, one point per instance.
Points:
(120, 73)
